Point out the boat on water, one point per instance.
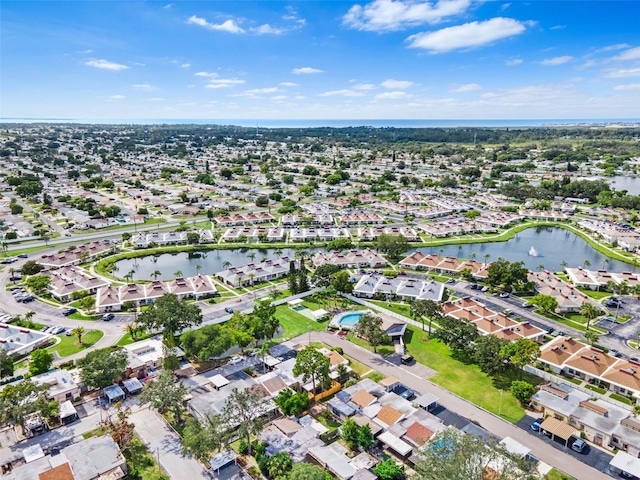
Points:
(533, 252)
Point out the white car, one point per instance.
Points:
(235, 360)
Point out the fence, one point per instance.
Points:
(550, 377)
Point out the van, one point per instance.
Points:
(406, 359)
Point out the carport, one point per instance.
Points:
(114, 393)
(623, 462)
(558, 428)
(218, 381)
(68, 412)
(132, 385)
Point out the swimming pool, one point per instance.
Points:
(350, 319)
(298, 308)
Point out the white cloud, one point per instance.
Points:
(206, 74)
(513, 62)
(278, 98)
(609, 48)
(185, 65)
(468, 35)
(142, 86)
(106, 65)
(364, 86)
(116, 97)
(396, 84)
(557, 60)
(306, 70)
(227, 26)
(631, 54)
(345, 92)
(257, 91)
(267, 29)
(558, 27)
(156, 99)
(388, 15)
(469, 87)
(623, 73)
(392, 95)
(629, 86)
(223, 83)
(289, 84)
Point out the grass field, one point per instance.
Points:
(384, 350)
(557, 475)
(465, 379)
(69, 345)
(127, 340)
(399, 308)
(295, 324)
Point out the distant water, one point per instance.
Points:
(334, 123)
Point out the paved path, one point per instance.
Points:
(165, 445)
(414, 377)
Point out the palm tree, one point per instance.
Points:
(132, 329)
(11, 272)
(28, 316)
(591, 336)
(636, 410)
(252, 256)
(251, 277)
(487, 256)
(564, 264)
(473, 255)
(177, 273)
(541, 267)
(278, 252)
(198, 268)
(263, 351)
(590, 311)
(586, 263)
(605, 262)
(226, 264)
(156, 274)
(78, 332)
(129, 275)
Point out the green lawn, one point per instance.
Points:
(464, 379)
(69, 345)
(399, 308)
(127, 340)
(295, 324)
(384, 350)
(557, 475)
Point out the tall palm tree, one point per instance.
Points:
(11, 272)
(541, 267)
(473, 255)
(129, 275)
(177, 273)
(278, 252)
(78, 332)
(487, 256)
(564, 264)
(252, 256)
(198, 268)
(28, 316)
(155, 274)
(586, 263)
(590, 311)
(226, 264)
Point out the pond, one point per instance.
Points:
(210, 262)
(619, 183)
(552, 245)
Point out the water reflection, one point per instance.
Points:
(552, 245)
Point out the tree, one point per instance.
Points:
(365, 438)
(199, 440)
(266, 322)
(590, 311)
(170, 315)
(349, 433)
(457, 334)
(40, 362)
(522, 391)
(312, 364)
(280, 464)
(322, 276)
(38, 283)
(307, 471)
(164, 395)
(303, 279)
(369, 327)
(19, 400)
(339, 244)
(486, 354)
(243, 412)
(389, 470)
(6, 364)
(206, 342)
(78, 332)
(426, 308)
(546, 302)
(591, 336)
(120, 429)
(392, 245)
(100, 368)
(523, 351)
(155, 274)
(507, 275)
(454, 455)
(341, 281)
(193, 238)
(31, 267)
(293, 278)
(292, 403)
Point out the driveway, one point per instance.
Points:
(164, 444)
(410, 376)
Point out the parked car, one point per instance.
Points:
(527, 305)
(228, 310)
(579, 445)
(235, 360)
(108, 316)
(404, 392)
(535, 426)
(451, 280)
(504, 295)
(406, 359)
(624, 474)
(23, 255)
(69, 311)
(614, 352)
(634, 359)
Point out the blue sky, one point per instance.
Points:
(380, 59)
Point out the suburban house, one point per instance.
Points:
(366, 258)
(375, 285)
(256, 273)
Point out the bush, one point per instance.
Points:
(243, 447)
(339, 350)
